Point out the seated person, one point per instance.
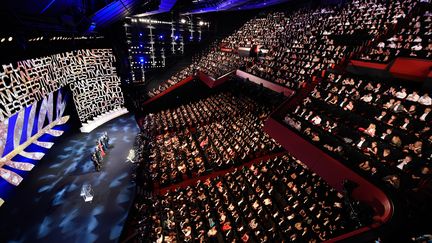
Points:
(362, 143)
(365, 166)
(414, 97)
(370, 130)
(425, 99)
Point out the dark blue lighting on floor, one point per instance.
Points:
(47, 206)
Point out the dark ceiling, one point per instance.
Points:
(33, 17)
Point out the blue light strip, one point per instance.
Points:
(47, 6)
(235, 5)
(113, 12)
(262, 5)
(164, 6)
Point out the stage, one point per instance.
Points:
(47, 206)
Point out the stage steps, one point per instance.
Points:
(101, 119)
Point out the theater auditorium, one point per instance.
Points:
(135, 121)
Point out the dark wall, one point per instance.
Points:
(21, 49)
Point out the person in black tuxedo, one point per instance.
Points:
(397, 107)
(392, 121)
(375, 173)
(378, 100)
(96, 162)
(406, 124)
(405, 164)
(386, 156)
(382, 116)
(426, 116)
(362, 143)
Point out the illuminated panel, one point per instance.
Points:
(100, 91)
(33, 104)
(90, 73)
(45, 113)
(19, 136)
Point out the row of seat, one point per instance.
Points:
(273, 201)
(388, 129)
(215, 133)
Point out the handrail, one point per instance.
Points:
(334, 173)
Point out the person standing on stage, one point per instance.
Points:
(102, 142)
(98, 154)
(100, 147)
(96, 163)
(106, 139)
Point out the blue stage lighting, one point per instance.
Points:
(92, 27)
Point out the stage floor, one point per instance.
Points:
(47, 206)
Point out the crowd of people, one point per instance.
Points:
(217, 63)
(174, 79)
(413, 38)
(211, 134)
(102, 145)
(384, 131)
(274, 197)
(300, 45)
(380, 129)
(272, 201)
(213, 63)
(296, 46)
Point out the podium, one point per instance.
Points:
(87, 193)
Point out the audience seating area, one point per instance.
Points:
(410, 38)
(214, 64)
(296, 46)
(212, 134)
(176, 78)
(217, 63)
(302, 43)
(382, 130)
(226, 179)
(275, 200)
